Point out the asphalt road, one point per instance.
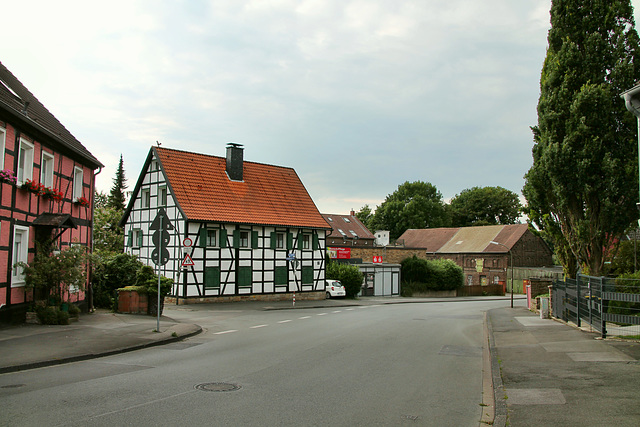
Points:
(400, 364)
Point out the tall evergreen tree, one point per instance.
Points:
(116, 198)
(581, 188)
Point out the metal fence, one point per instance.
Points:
(609, 306)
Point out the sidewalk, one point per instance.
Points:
(97, 334)
(547, 373)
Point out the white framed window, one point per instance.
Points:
(279, 240)
(25, 161)
(306, 239)
(77, 182)
(3, 138)
(145, 198)
(20, 253)
(244, 239)
(211, 238)
(46, 169)
(137, 238)
(162, 196)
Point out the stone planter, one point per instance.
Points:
(32, 318)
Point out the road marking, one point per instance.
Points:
(226, 332)
(284, 321)
(258, 326)
(338, 311)
(304, 317)
(322, 314)
(348, 309)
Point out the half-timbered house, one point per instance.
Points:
(230, 229)
(47, 183)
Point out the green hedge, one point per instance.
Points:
(349, 275)
(421, 275)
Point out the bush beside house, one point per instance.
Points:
(423, 276)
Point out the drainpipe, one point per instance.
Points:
(93, 210)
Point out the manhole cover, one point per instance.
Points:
(13, 386)
(218, 387)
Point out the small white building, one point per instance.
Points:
(236, 229)
(382, 238)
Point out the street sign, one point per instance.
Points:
(377, 259)
(160, 238)
(187, 242)
(188, 261)
(291, 256)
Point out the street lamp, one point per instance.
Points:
(510, 264)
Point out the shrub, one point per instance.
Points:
(349, 275)
(421, 275)
(50, 315)
(111, 272)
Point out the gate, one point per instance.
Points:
(600, 302)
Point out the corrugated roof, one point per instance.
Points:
(430, 239)
(465, 239)
(471, 239)
(268, 195)
(16, 99)
(349, 224)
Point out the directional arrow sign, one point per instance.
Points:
(166, 224)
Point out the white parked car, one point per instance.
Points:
(335, 289)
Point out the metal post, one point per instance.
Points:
(159, 265)
(511, 261)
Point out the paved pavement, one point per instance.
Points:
(538, 372)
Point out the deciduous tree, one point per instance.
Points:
(485, 206)
(413, 205)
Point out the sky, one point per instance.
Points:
(357, 96)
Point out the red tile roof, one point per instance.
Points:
(268, 195)
(347, 223)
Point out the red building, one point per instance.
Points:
(38, 150)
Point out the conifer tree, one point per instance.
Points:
(116, 197)
(582, 186)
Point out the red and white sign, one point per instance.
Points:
(187, 261)
(339, 253)
(377, 259)
(187, 242)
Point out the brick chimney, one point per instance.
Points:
(235, 161)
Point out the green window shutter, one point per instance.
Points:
(300, 241)
(281, 276)
(236, 239)
(223, 237)
(245, 276)
(202, 242)
(307, 275)
(130, 238)
(272, 239)
(254, 240)
(140, 239)
(316, 243)
(289, 241)
(212, 277)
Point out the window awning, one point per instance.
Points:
(54, 220)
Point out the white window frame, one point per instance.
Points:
(136, 243)
(280, 240)
(78, 182)
(244, 238)
(46, 173)
(306, 241)
(3, 139)
(162, 195)
(212, 238)
(145, 198)
(19, 254)
(25, 161)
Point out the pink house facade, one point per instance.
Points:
(38, 150)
